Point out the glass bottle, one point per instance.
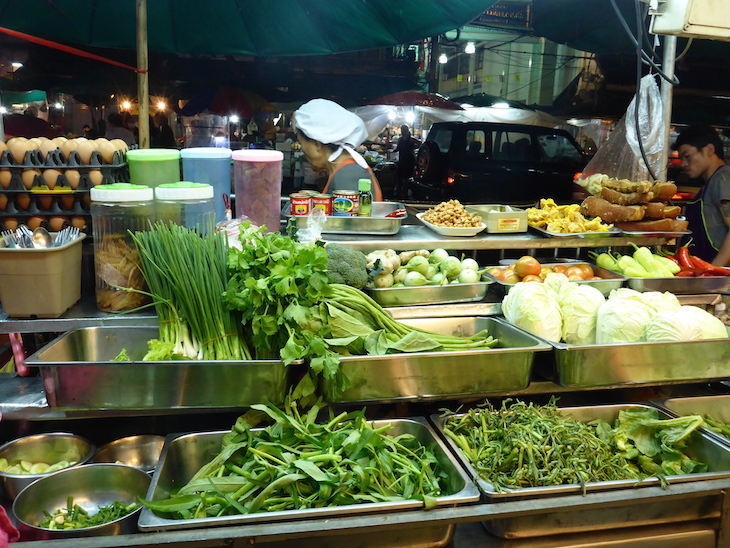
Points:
(366, 198)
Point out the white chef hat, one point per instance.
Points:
(331, 124)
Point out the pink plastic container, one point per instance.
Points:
(257, 184)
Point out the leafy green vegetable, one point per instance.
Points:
(73, 516)
(299, 462)
(122, 356)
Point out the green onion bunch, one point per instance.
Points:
(186, 274)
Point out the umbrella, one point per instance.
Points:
(227, 100)
(486, 100)
(415, 98)
(241, 27)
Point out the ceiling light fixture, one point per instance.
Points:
(16, 65)
(501, 104)
(470, 48)
(233, 118)
(443, 59)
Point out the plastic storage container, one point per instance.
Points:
(40, 282)
(211, 166)
(115, 209)
(257, 179)
(186, 204)
(153, 166)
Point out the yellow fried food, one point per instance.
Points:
(451, 213)
(563, 219)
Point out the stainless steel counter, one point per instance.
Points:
(418, 236)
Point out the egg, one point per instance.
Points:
(44, 201)
(68, 147)
(47, 147)
(18, 147)
(28, 177)
(35, 143)
(85, 149)
(5, 177)
(67, 201)
(96, 177)
(106, 149)
(23, 201)
(3, 201)
(11, 223)
(57, 223)
(79, 222)
(86, 201)
(50, 176)
(118, 144)
(73, 177)
(59, 141)
(35, 221)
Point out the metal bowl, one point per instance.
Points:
(48, 448)
(91, 486)
(142, 451)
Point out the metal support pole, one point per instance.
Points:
(143, 83)
(670, 51)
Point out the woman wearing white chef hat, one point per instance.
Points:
(329, 135)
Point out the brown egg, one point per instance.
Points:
(59, 141)
(11, 223)
(79, 222)
(106, 149)
(73, 177)
(28, 176)
(35, 222)
(44, 201)
(34, 143)
(23, 201)
(85, 149)
(3, 201)
(118, 144)
(18, 147)
(50, 177)
(67, 201)
(68, 147)
(47, 147)
(96, 176)
(5, 177)
(57, 223)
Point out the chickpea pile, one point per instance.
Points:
(451, 213)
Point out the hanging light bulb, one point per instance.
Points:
(470, 48)
(391, 114)
(410, 117)
(443, 59)
(233, 118)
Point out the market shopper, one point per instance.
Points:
(329, 134)
(116, 130)
(701, 152)
(405, 148)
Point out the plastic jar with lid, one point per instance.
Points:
(257, 179)
(186, 204)
(210, 165)
(116, 209)
(153, 166)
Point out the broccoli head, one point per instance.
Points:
(346, 266)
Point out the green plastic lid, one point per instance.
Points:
(121, 192)
(153, 154)
(364, 185)
(183, 190)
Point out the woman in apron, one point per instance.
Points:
(329, 134)
(701, 152)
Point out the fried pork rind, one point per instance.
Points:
(596, 182)
(564, 219)
(117, 267)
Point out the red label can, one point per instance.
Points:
(345, 203)
(300, 204)
(323, 202)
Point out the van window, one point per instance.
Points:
(513, 146)
(476, 143)
(442, 139)
(558, 148)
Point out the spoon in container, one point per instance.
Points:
(41, 238)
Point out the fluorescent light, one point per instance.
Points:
(16, 64)
(500, 104)
(443, 59)
(391, 114)
(58, 105)
(410, 117)
(3, 110)
(470, 48)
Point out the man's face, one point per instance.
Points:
(695, 161)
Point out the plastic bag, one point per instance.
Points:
(620, 156)
(315, 224)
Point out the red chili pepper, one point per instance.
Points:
(699, 263)
(683, 258)
(396, 213)
(672, 258)
(718, 271)
(685, 274)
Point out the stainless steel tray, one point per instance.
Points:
(78, 373)
(595, 365)
(377, 223)
(437, 375)
(700, 447)
(431, 294)
(682, 285)
(610, 280)
(613, 231)
(184, 454)
(642, 233)
(718, 407)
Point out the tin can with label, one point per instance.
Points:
(300, 204)
(323, 202)
(345, 203)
